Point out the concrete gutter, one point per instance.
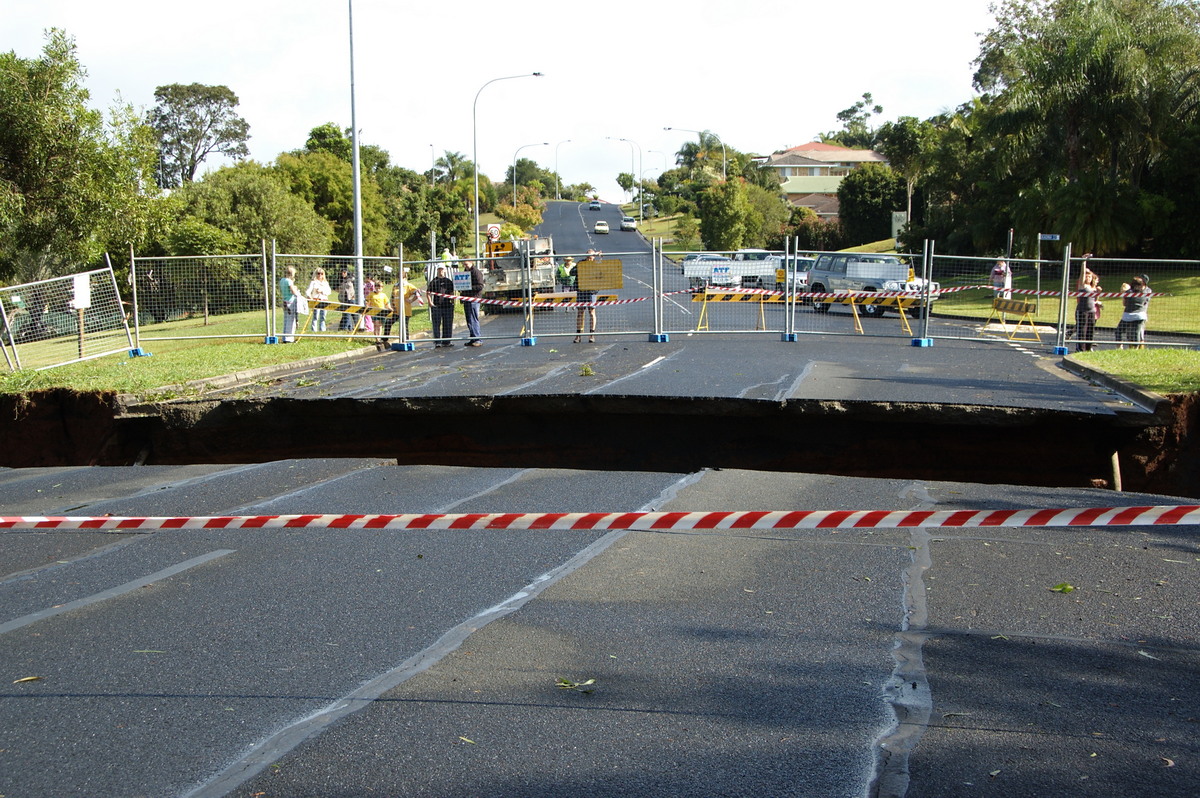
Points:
(1146, 400)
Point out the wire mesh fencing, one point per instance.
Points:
(63, 320)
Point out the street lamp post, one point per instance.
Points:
(636, 172)
(700, 133)
(557, 195)
(514, 174)
(475, 143)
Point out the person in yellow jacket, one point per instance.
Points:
(377, 299)
(411, 297)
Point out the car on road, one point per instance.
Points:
(628, 223)
(706, 268)
(601, 227)
(594, 205)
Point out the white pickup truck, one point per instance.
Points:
(748, 268)
(856, 271)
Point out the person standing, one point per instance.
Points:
(347, 295)
(290, 295)
(441, 306)
(404, 294)
(1132, 327)
(318, 291)
(377, 300)
(1002, 280)
(1087, 309)
(589, 297)
(471, 309)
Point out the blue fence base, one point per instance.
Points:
(922, 342)
(139, 352)
(1060, 350)
(659, 338)
(271, 339)
(529, 342)
(788, 338)
(407, 346)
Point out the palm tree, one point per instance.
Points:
(452, 166)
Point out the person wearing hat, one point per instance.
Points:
(566, 274)
(440, 290)
(377, 300)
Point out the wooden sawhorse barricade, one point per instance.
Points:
(717, 295)
(1017, 307)
(900, 303)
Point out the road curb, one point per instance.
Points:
(1146, 400)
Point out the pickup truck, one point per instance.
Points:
(855, 271)
(748, 268)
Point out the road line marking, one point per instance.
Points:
(128, 587)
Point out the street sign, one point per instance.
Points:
(1047, 236)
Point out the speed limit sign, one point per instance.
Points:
(493, 232)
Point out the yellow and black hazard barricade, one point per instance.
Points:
(900, 303)
(566, 297)
(1025, 328)
(717, 295)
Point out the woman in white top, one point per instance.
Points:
(318, 291)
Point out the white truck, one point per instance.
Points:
(504, 275)
(747, 268)
(856, 271)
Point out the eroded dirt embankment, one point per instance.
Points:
(873, 439)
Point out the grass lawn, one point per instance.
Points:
(178, 360)
(1160, 370)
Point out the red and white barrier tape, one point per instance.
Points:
(1162, 515)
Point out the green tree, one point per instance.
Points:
(523, 216)
(327, 183)
(453, 166)
(193, 122)
(766, 217)
(724, 211)
(252, 202)
(866, 198)
(856, 132)
(905, 143)
(69, 183)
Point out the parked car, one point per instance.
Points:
(628, 223)
(594, 205)
(855, 272)
(706, 268)
(601, 227)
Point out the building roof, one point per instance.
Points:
(790, 158)
(830, 153)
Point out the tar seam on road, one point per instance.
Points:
(551, 375)
(506, 481)
(245, 508)
(661, 361)
(795, 386)
(95, 598)
(908, 688)
(259, 756)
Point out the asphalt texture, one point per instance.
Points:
(810, 663)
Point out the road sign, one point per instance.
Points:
(1047, 236)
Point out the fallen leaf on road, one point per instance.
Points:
(1062, 587)
(465, 740)
(1170, 763)
(1149, 656)
(28, 679)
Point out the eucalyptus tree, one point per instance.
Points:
(194, 121)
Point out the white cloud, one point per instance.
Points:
(761, 74)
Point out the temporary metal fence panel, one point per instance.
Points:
(208, 296)
(772, 292)
(595, 296)
(63, 320)
(1043, 305)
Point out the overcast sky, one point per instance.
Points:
(763, 75)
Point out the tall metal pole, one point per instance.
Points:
(641, 203)
(475, 144)
(514, 166)
(358, 247)
(557, 194)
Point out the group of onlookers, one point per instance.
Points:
(382, 308)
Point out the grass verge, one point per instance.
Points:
(1163, 371)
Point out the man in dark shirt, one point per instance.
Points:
(471, 309)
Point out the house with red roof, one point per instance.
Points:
(810, 174)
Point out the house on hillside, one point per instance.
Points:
(810, 174)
